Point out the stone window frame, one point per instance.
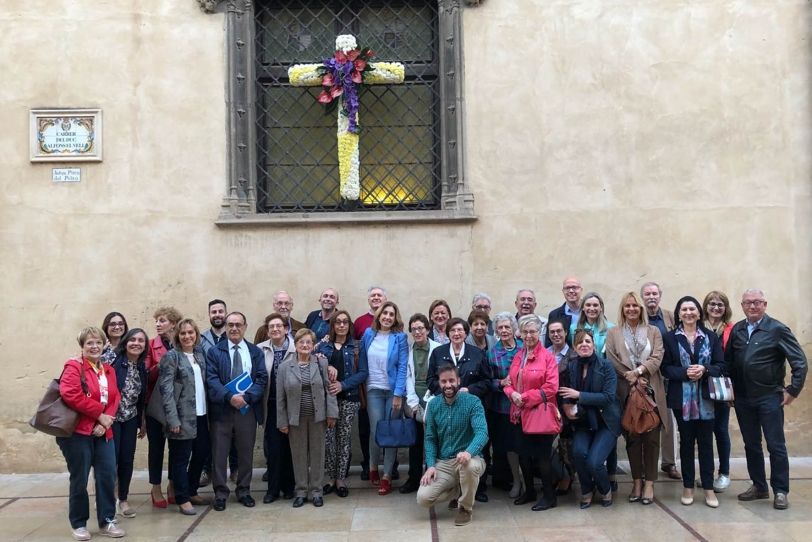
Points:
(239, 203)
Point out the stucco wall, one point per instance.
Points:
(620, 142)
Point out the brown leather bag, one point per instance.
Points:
(54, 417)
(641, 415)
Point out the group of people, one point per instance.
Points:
(484, 392)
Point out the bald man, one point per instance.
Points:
(571, 309)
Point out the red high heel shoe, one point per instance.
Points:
(386, 487)
(157, 504)
(374, 477)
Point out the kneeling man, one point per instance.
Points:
(456, 432)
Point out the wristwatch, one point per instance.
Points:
(639, 371)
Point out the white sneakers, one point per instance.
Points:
(81, 534)
(111, 530)
(721, 483)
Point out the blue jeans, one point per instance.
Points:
(720, 430)
(757, 414)
(590, 450)
(82, 452)
(379, 404)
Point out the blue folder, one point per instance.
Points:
(240, 385)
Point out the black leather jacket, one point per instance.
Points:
(756, 364)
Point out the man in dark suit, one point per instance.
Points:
(756, 355)
(226, 361)
(571, 309)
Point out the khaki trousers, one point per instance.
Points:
(307, 448)
(453, 481)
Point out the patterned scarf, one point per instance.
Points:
(636, 342)
(694, 406)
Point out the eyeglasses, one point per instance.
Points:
(305, 343)
(116, 324)
(283, 304)
(571, 288)
(526, 332)
(716, 305)
(587, 331)
(420, 329)
(482, 307)
(556, 332)
(757, 303)
(232, 325)
(342, 322)
(276, 326)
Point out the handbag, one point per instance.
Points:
(155, 407)
(721, 389)
(398, 433)
(542, 419)
(641, 412)
(54, 417)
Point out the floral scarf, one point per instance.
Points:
(694, 406)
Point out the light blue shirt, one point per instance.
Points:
(574, 314)
(561, 355)
(751, 327)
(245, 355)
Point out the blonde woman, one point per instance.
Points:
(636, 351)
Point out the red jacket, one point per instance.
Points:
(156, 352)
(539, 373)
(70, 387)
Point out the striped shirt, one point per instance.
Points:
(458, 427)
(306, 406)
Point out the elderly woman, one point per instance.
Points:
(166, 321)
(692, 354)
(502, 432)
(439, 314)
(636, 351)
(277, 444)
(89, 387)
(131, 377)
(183, 373)
(595, 417)
(419, 353)
(592, 318)
(384, 350)
(115, 327)
(339, 350)
(718, 318)
(474, 370)
(305, 409)
(533, 381)
(559, 339)
(479, 322)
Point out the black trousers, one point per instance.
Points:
(279, 460)
(201, 454)
(155, 457)
(697, 433)
(125, 436)
(416, 456)
(363, 436)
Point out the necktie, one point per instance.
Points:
(236, 363)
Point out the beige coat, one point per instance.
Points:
(267, 349)
(289, 391)
(618, 354)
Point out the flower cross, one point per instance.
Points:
(344, 74)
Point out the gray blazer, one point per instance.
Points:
(177, 379)
(289, 391)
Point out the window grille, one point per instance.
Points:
(401, 137)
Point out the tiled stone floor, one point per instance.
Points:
(33, 507)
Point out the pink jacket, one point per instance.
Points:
(539, 373)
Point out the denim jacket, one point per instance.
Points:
(352, 379)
